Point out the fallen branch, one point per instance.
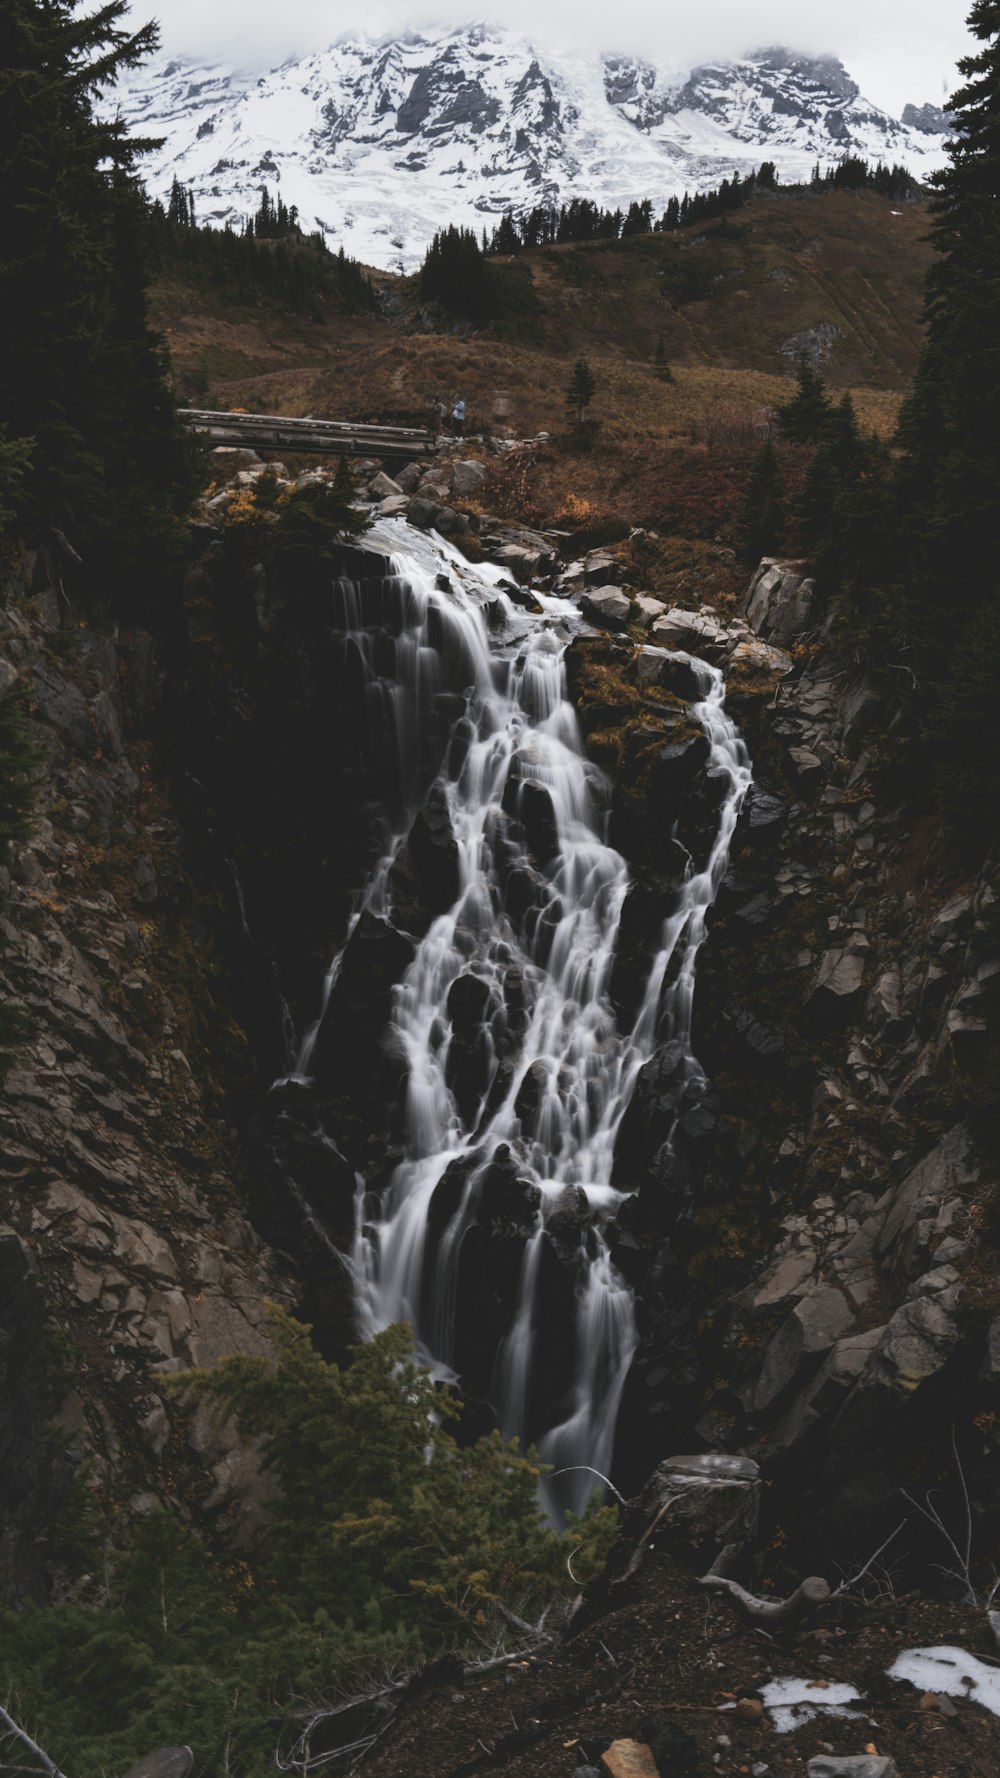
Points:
(14, 1729)
(812, 1592)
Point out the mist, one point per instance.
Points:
(896, 49)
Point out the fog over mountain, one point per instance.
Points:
(898, 50)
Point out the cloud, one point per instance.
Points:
(896, 49)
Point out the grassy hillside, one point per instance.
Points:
(726, 296)
(734, 291)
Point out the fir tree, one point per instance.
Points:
(110, 464)
(806, 416)
(762, 520)
(948, 483)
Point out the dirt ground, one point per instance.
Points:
(668, 1664)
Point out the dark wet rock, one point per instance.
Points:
(677, 766)
(28, 1455)
(507, 1205)
(839, 986)
(531, 1093)
(375, 958)
(423, 512)
(531, 804)
(816, 1323)
(470, 1051)
(434, 852)
(861, 709)
(762, 818)
(451, 523)
(911, 1222)
(659, 1095)
(740, 1043)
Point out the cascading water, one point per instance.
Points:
(516, 1074)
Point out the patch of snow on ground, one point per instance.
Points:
(792, 1702)
(950, 1671)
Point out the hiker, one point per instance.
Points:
(438, 411)
(458, 418)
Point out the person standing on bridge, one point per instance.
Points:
(458, 418)
(438, 411)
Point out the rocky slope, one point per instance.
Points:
(126, 1248)
(811, 1240)
(380, 144)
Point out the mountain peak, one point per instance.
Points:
(381, 143)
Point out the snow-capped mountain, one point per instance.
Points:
(380, 144)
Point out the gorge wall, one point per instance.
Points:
(808, 1234)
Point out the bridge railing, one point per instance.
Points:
(277, 432)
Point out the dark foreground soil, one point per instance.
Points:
(667, 1664)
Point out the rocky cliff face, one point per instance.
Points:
(845, 1013)
(127, 1252)
(810, 1238)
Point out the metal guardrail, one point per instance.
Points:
(275, 432)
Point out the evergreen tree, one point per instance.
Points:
(806, 416)
(86, 382)
(762, 519)
(456, 275)
(948, 483)
(581, 390)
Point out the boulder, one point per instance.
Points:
(805, 764)
(758, 657)
(599, 570)
(837, 992)
(393, 506)
(821, 1398)
(606, 605)
(467, 478)
(949, 1170)
(451, 523)
(409, 477)
(382, 485)
(816, 1323)
(422, 512)
(629, 1759)
(780, 602)
(520, 561)
(655, 666)
(860, 709)
(762, 818)
(649, 609)
(689, 630)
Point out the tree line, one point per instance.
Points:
(584, 220)
(910, 529)
(268, 258)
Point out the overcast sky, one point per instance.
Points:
(896, 49)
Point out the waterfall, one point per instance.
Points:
(517, 1076)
